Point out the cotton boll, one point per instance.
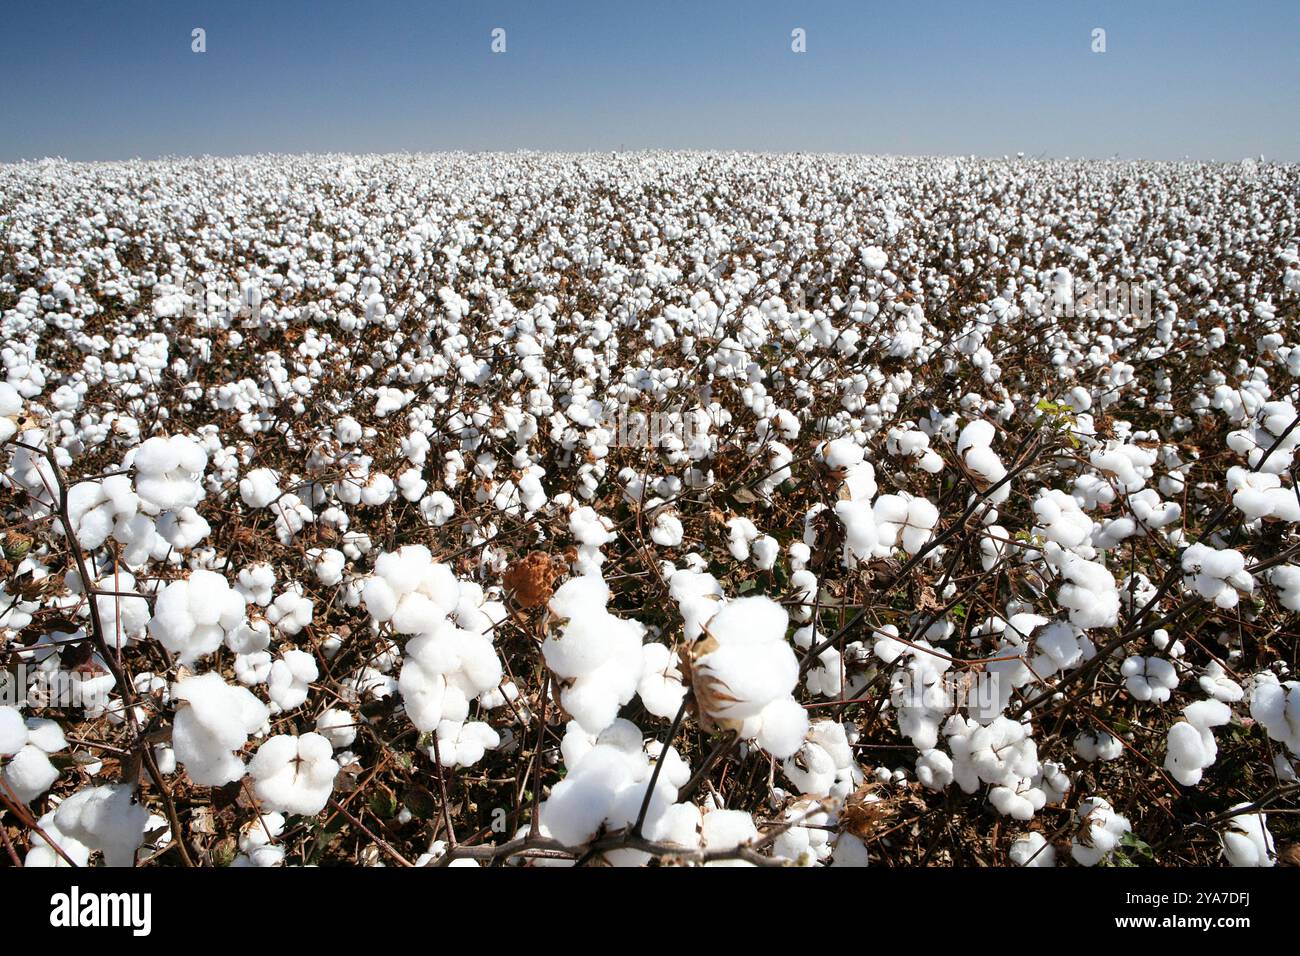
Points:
(215, 721)
(290, 680)
(1032, 849)
(1100, 830)
(722, 830)
(291, 611)
(1095, 745)
(1149, 678)
(107, 819)
(463, 744)
(294, 775)
(934, 769)
(1215, 682)
(661, 689)
(328, 563)
(784, 724)
(1275, 705)
(28, 773)
(13, 732)
(1217, 575)
(168, 473)
(256, 582)
(667, 530)
(193, 616)
(1247, 841)
(338, 727)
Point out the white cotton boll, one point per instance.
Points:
(29, 773)
(861, 536)
(1032, 849)
(1215, 682)
(1149, 678)
(294, 775)
(1101, 829)
(260, 487)
(784, 724)
(215, 721)
(1247, 841)
(464, 743)
(1217, 575)
(741, 531)
(290, 680)
(727, 829)
(291, 611)
(42, 853)
(1186, 755)
(183, 529)
(168, 473)
(411, 485)
(328, 563)
(934, 769)
(13, 732)
(338, 727)
(764, 551)
(1093, 745)
(107, 819)
(249, 637)
(193, 616)
(124, 618)
(254, 668)
(661, 689)
(667, 530)
(437, 508)
(825, 679)
(1275, 706)
(256, 583)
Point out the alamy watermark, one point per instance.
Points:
(1078, 298)
(25, 685)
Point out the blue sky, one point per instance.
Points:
(113, 79)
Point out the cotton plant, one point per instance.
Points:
(1246, 839)
(1191, 748)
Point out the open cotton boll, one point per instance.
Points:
(338, 727)
(660, 688)
(168, 473)
(13, 732)
(1149, 678)
(291, 611)
(256, 582)
(597, 656)
(43, 842)
(1088, 593)
(1032, 849)
(1215, 682)
(215, 721)
(1247, 841)
(904, 519)
(1100, 830)
(824, 765)
(289, 680)
(667, 530)
(862, 538)
(411, 590)
(123, 616)
(1217, 575)
(1275, 705)
(740, 531)
(443, 670)
(294, 775)
(28, 772)
(260, 487)
(107, 819)
(328, 563)
(1093, 745)
(193, 616)
(463, 744)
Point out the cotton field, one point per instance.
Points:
(665, 509)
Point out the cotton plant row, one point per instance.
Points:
(684, 508)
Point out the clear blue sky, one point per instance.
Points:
(111, 79)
